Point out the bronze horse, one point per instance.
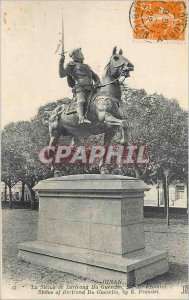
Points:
(104, 110)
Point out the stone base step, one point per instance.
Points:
(131, 269)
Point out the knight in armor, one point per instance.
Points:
(81, 79)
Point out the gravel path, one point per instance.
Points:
(21, 225)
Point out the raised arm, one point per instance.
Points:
(62, 71)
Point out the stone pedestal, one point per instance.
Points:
(92, 226)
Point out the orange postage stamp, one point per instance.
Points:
(158, 20)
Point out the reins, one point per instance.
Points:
(106, 84)
(103, 85)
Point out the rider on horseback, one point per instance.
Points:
(80, 77)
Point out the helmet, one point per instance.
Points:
(74, 52)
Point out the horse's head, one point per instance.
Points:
(119, 65)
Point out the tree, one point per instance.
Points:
(159, 123)
(23, 191)
(24, 163)
(11, 162)
(5, 192)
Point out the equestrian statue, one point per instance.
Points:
(96, 108)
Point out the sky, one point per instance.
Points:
(30, 32)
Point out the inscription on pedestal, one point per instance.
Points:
(132, 211)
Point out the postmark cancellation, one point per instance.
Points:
(158, 20)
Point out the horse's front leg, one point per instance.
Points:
(108, 136)
(112, 121)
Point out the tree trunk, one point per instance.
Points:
(165, 194)
(33, 204)
(168, 215)
(187, 196)
(10, 197)
(23, 192)
(5, 192)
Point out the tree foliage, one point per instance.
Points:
(161, 124)
(19, 155)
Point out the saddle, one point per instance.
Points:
(66, 108)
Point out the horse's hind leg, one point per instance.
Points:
(125, 136)
(53, 142)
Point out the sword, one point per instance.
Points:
(62, 34)
(62, 40)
